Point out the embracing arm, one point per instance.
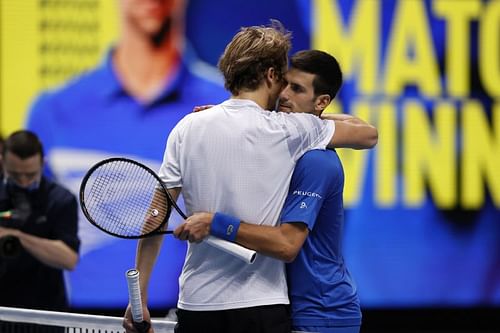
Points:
(351, 132)
(282, 242)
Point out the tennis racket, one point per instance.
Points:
(126, 199)
(134, 296)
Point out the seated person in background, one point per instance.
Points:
(38, 229)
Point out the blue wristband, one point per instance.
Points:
(224, 226)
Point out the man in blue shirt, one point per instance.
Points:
(322, 293)
(127, 106)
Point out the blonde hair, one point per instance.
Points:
(251, 52)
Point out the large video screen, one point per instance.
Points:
(422, 223)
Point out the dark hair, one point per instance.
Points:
(23, 144)
(251, 52)
(328, 75)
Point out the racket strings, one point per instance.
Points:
(125, 199)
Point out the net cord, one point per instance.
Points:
(75, 320)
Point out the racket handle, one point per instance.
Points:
(234, 249)
(134, 296)
(142, 327)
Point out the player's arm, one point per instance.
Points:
(283, 242)
(351, 132)
(145, 259)
(147, 253)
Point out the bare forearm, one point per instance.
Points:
(53, 253)
(352, 132)
(147, 253)
(363, 136)
(149, 248)
(338, 116)
(280, 242)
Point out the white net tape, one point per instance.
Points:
(72, 322)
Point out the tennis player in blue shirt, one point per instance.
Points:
(322, 293)
(126, 106)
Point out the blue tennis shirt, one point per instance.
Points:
(322, 292)
(93, 117)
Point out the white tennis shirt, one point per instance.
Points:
(238, 159)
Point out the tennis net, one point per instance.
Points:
(17, 320)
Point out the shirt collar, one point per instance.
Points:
(115, 88)
(234, 102)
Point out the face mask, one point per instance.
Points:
(30, 188)
(20, 201)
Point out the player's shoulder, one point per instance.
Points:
(323, 166)
(214, 112)
(318, 158)
(76, 89)
(294, 118)
(192, 119)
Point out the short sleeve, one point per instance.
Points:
(308, 190)
(306, 132)
(170, 169)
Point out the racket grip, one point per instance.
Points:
(234, 249)
(142, 327)
(134, 295)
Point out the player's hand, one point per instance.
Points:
(128, 323)
(196, 228)
(202, 107)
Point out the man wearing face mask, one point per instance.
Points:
(38, 229)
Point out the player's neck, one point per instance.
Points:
(252, 97)
(145, 68)
(260, 96)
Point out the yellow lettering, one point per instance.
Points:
(458, 15)
(386, 158)
(410, 56)
(481, 155)
(357, 47)
(355, 161)
(429, 155)
(489, 48)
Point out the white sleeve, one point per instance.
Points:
(170, 169)
(307, 132)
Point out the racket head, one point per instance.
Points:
(125, 198)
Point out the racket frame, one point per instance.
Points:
(169, 200)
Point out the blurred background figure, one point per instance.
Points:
(38, 229)
(421, 210)
(124, 107)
